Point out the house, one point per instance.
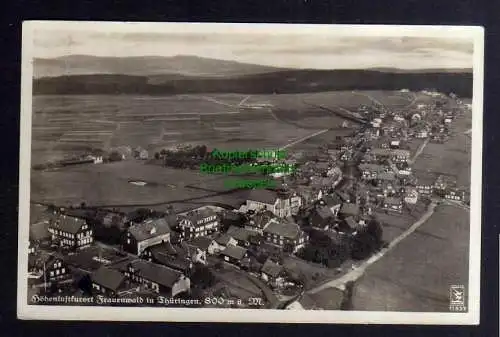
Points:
(108, 282)
(393, 204)
(455, 194)
(166, 254)
(380, 154)
(286, 235)
(411, 196)
(234, 254)
(371, 171)
(199, 247)
(148, 233)
(47, 267)
(425, 185)
(280, 204)
(158, 278)
(321, 217)
(39, 233)
(202, 221)
(346, 155)
(232, 218)
(332, 201)
(349, 209)
(71, 232)
(345, 227)
(400, 156)
(273, 273)
(222, 241)
(395, 144)
(444, 183)
(244, 237)
(259, 220)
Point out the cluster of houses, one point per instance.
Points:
(162, 251)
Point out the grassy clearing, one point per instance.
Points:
(451, 158)
(417, 274)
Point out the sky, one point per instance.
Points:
(280, 49)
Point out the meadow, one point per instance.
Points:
(416, 274)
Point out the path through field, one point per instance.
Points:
(358, 272)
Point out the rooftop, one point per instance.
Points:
(272, 268)
(286, 229)
(68, 224)
(149, 229)
(109, 278)
(234, 252)
(263, 195)
(162, 275)
(349, 209)
(200, 242)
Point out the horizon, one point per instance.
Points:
(277, 68)
(271, 49)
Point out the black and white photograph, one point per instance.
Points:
(211, 172)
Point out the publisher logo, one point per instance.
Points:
(457, 298)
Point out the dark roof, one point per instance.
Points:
(156, 273)
(41, 258)
(285, 229)
(234, 252)
(332, 199)
(262, 195)
(108, 278)
(239, 233)
(165, 248)
(271, 268)
(200, 242)
(231, 215)
(149, 229)
(68, 224)
(198, 214)
(324, 212)
(170, 256)
(223, 239)
(349, 209)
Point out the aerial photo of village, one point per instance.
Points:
(225, 170)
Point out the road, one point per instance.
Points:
(303, 139)
(359, 271)
(419, 151)
(377, 102)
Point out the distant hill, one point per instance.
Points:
(144, 66)
(279, 82)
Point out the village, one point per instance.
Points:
(320, 221)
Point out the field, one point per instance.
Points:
(66, 125)
(109, 184)
(417, 274)
(394, 224)
(451, 158)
